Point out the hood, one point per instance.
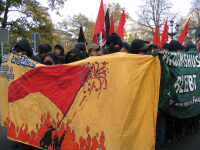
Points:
(76, 51)
(81, 46)
(24, 44)
(61, 48)
(53, 56)
(44, 48)
(61, 59)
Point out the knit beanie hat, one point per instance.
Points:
(114, 38)
(175, 46)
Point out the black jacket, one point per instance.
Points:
(76, 51)
(53, 56)
(24, 45)
(81, 46)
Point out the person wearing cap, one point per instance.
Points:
(165, 47)
(113, 43)
(93, 50)
(140, 47)
(125, 47)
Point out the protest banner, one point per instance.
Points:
(180, 93)
(108, 102)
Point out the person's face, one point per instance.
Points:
(93, 52)
(42, 55)
(47, 58)
(57, 51)
(100, 53)
(123, 49)
(141, 53)
(117, 46)
(81, 51)
(165, 49)
(179, 51)
(72, 54)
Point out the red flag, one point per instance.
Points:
(100, 27)
(120, 30)
(184, 33)
(156, 38)
(164, 38)
(112, 30)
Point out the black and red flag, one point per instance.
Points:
(107, 23)
(99, 27)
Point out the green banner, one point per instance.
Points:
(180, 84)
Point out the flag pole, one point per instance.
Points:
(101, 39)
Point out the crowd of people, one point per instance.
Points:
(167, 125)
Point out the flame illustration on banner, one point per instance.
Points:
(49, 138)
(51, 135)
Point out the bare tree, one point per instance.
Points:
(154, 13)
(195, 4)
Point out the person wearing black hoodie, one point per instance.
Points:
(82, 48)
(50, 58)
(73, 55)
(25, 47)
(59, 51)
(43, 49)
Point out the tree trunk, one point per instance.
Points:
(5, 18)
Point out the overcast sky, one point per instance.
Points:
(90, 8)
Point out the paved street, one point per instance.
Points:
(189, 144)
(5, 144)
(192, 143)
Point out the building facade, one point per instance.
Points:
(135, 30)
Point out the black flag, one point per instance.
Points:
(81, 37)
(107, 23)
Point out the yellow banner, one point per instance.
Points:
(106, 102)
